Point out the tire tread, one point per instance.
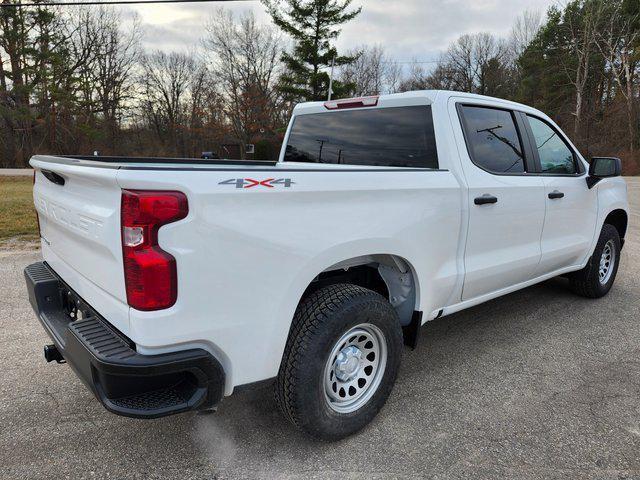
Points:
(310, 316)
(585, 282)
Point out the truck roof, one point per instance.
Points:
(417, 97)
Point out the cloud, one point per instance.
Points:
(408, 29)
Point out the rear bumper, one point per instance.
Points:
(124, 381)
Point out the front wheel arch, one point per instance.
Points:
(586, 282)
(620, 220)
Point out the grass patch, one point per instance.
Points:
(17, 215)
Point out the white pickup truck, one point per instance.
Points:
(168, 283)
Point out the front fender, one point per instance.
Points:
(612, 195)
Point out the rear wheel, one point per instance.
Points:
(340, 362)
(596, 279)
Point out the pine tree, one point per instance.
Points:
(312, 24)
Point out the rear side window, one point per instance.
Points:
(394, 137)
(493, 139)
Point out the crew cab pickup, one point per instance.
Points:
(168, 283)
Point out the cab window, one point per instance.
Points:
(555, 155)
(493, 140)
(389, 137)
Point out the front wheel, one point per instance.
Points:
(340, 362)
(596, 279)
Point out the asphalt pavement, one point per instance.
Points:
(540, 384)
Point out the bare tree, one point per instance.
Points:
(460, 61)
(524, 31)
(110, 58)
(393, 76)
(617, 41)
(474, 63)
(441, 78)
(416, 79)
(372, 72)
(582, 31)
(167, 80)
(245, 59)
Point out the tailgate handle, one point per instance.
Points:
(53, 177)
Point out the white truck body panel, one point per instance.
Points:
(80, 229)
(246, 256)
(569, 226)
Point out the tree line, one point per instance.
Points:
(77, 80)
(579, 65)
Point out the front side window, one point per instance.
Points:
(493, 139)
(394, 137)
(555, 154)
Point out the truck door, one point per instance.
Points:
(572, 208)
(506, 200)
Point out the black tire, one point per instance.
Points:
(320, 321)
(586, 282)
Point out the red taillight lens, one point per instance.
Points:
(149, 272)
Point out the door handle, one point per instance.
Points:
(556, 194)
(485, 199)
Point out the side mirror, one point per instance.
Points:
(603, 167)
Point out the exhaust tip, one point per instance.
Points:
(52, 354)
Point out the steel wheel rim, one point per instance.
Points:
(607, 262)
(355, 367)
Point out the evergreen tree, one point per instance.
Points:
(33, 54)
(542, 74)
(313, 26)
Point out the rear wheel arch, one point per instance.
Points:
(365, 271)
(390, 275)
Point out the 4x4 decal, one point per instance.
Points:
(250, 182)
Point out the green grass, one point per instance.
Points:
(17, 215)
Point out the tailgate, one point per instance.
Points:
(79, 211)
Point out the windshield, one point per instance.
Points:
(397, 137)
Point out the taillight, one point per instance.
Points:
(149, 272)
(351, 103)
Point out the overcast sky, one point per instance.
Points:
(408, 29)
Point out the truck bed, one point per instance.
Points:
(261, 227)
